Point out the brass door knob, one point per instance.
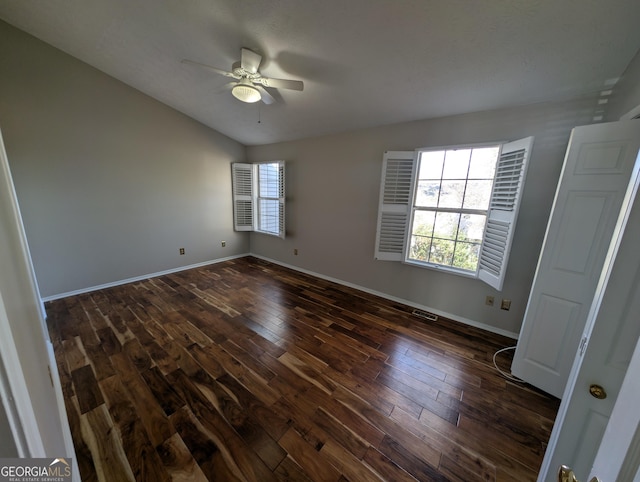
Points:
(565, 474)
(597, 391)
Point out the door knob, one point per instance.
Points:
(597, 391)
(565, 474)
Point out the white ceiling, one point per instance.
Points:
(363, 62)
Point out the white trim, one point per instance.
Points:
(68, 440)
(26, 432)
(7, 180)
(444, 314)
(11, 405)
(455, 147)
(139, 278)
(23, 421)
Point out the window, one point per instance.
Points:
(258, 197)
(452, 208)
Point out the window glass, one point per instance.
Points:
(269, 202)
(452, 194)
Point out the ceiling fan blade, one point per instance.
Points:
(217, 71)
(282, 83)
(266, 96)
(250, 61)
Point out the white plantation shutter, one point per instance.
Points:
(395, 204)
(281, 199)
(243, 199)
(503, 211)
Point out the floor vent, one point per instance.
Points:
(425, 314)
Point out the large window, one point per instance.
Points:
(450, 205)
(452, 208)
(258, 197)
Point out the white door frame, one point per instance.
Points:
(15, 396)
(27, 434)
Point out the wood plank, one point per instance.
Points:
(313, 462)
(385, 467)
(167, 397)
(144, 461)
(87, 389)
(351, 441)
(245, 425)
(178, 461)
(248, 371)
(151, 414)
(349, 465)
(75, 353)
(418, 394)
(414, 465)
(459, 464)
(105, 446)
(137, 354)
(109, 341)
(236, 450)
(84, 457)
(289, 471)
(274, 423)
(205, 449)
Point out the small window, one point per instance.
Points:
(452, 208)
(258, 197)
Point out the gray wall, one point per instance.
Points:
(111, 183)
(626, 93)
(332, 200)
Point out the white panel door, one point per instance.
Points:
(612, 331)
(594, 182)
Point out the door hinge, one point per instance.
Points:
(583, 345)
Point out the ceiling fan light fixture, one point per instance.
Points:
(246, 93)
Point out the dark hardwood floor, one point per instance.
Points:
(248, 371)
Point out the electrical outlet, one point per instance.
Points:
(181, 251)
(295, 251)
(224, 243)
(506, 305)
(489, 300)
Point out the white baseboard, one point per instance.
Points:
(139, 278)
(444, 314)
(466, 321)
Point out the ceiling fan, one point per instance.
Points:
(250, 84)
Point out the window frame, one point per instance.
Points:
(246, 194)
(395, 209)
(412, 208)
